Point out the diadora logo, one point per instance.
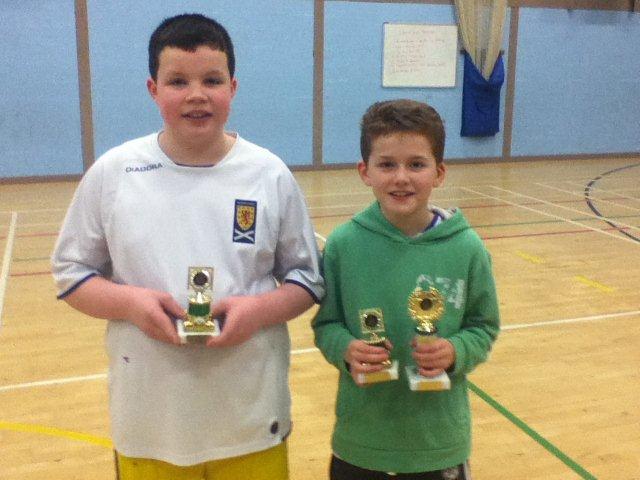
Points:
(144, 168)
(244, 221)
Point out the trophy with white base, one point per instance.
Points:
(426, 307)
(198, 326)
(372, 325)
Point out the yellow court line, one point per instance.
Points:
(530, 258)
(57, 432)
(594, 284)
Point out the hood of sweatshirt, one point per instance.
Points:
(373, 220)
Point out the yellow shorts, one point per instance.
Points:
(270, 464)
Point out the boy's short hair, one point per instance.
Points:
(398, 116)
(188, 32)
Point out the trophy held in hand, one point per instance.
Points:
(199, 325)
(372, 325)
(426, 307)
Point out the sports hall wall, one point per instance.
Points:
(74, 79)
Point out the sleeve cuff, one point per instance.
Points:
(73, 288)
(308, 290)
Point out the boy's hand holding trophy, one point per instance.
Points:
(199, 325)
(426, 307)
(372, 325)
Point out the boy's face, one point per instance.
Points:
(193, 91)
(402, 172)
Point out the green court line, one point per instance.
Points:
(105, 442)
(555, 451)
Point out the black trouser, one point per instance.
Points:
(341, 470)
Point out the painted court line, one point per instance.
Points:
(56, 432)
(6, 260)
(320, 237)
(30, 259)
(530, 258)
(616, 192)
(35, 210)
(557, 205)
(539, 439)
(57, 381)
(565, 321)
(615, 189)
(581, 195)
(41, 224)
(31, 274)
(320, 207)
(540, 212)
(107, 443)
(592, 283)
(302, 351)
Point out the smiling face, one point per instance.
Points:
(402, 172)
(193, 91)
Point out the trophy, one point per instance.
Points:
(426, 307)
(198, 325)
(372, 324)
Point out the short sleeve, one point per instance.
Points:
(81, 248)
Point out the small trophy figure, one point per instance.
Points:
(199, 325)
(425, 308)
(372, 324)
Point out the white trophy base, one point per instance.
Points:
(187, 336)
(386, 375)
(418, 383)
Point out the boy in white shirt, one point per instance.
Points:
(192, 194)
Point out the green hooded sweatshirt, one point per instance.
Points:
(369, 263)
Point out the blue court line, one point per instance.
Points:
(594, 209)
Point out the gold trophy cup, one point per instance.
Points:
(199, 325)
(372, 325)
(425, 308)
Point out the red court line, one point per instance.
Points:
(466, 207)
(499, 237)
(29, 274)
(31, 235)
(528, 204)
(469, 207)
(567, 232)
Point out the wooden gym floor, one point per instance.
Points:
(559, 398)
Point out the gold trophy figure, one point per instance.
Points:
(199, 325)
(425, 308)
(372, 325)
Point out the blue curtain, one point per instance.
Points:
(481, 100)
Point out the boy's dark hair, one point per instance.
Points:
(397, 116)
(188, 32)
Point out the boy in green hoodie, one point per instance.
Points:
(397, 247)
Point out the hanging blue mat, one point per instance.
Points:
(481, 100)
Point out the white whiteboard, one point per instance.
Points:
(419, 55)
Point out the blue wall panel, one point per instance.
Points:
(39, 105)
(577, 82)
(576, 91)
(353, 78)
(273, 43)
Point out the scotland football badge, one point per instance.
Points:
(244, 221)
